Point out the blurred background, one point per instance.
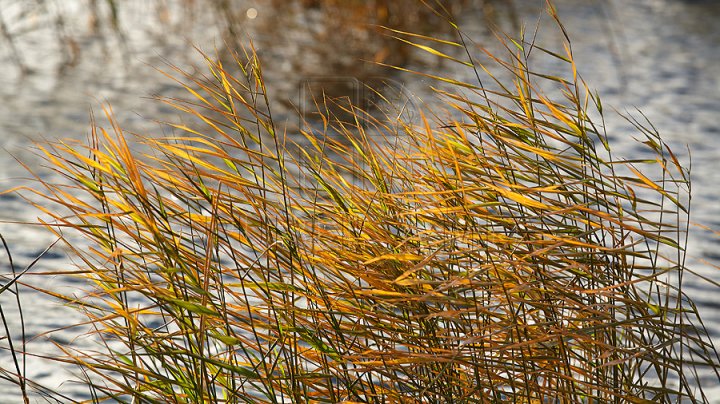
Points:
(60, 59)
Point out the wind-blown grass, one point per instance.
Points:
(493, 252)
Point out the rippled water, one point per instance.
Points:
(661, 56)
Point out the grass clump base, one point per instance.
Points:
(492, 252)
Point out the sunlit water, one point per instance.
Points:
(661, 56)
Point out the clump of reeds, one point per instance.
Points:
(492, 252)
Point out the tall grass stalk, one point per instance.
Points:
(17, 374)
(496, 251)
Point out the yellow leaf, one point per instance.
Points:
(394, 257)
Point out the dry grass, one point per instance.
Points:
(493, 252)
